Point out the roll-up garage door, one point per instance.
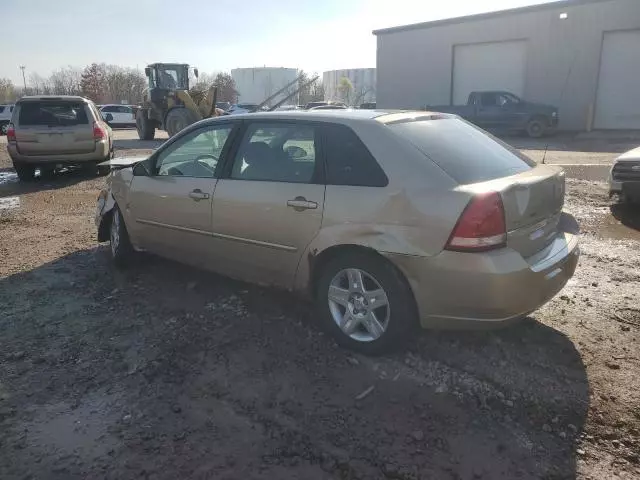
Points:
(488, 66)
(618, 98)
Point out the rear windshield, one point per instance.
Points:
(53, 113)
(466, 153)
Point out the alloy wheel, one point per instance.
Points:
(359, 305)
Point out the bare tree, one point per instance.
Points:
(123, 84)
(66, 81)
(226, 87)
(361, 94)
(39, 85)
(309, 93)
(8, 92)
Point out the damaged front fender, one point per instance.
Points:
(104, 209)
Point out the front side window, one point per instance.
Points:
(349, 162)
(196, 155)
(277, 152)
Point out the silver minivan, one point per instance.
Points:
(49, 132)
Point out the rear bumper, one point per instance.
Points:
(453, 289)
(101, 152)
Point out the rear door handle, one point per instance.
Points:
(198, 195)
(301, 203)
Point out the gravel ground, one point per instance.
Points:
(166, 372)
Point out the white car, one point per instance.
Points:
(122, 115)
(624, 178)
(5, 118)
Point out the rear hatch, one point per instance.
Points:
(532, 195)
(54, 127)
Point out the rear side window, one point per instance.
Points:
(1, 109)
(53, 113)
(466, 153)
(349, 162)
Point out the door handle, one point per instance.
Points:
(301, 203)
(198, 195)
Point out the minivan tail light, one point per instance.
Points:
(11, 134)
(481, 226)
(98, 131)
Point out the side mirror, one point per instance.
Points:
(142, 169)
(108, 118)
(195, 72)
(147, 71)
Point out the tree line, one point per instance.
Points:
(106, 83)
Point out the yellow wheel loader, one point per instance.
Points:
(168, 104)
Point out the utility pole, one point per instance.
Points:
(24, 80)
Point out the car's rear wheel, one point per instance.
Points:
(536, 128)
(26, 171)
(365, 303)
(4, 128)
(121, 248)
(146, 129)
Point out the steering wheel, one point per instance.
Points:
(199, 160)
(295, 152)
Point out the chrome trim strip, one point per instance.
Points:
(275, 246)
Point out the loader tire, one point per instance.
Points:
(178, 119)
(146, 128)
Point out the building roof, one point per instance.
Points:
(489, 15)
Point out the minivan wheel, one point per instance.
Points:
(4, 128)
(366, 305)
(26, 172)
(121, 249)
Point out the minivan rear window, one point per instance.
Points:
(53, 113)
(466, 153)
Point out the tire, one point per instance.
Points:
(121, 248)
(4, 128)
(393, 323)
(536, 128)
(145, 127)
(178, 119)
(26, 171)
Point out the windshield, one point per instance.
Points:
(464, 152)
(172, 78)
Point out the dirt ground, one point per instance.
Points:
(167, 372)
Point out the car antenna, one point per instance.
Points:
(545, 153)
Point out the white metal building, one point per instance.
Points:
(363, 81)
(256, 84)
(582, 56)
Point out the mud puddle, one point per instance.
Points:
(8, 177)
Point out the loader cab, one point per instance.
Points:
(168, 76)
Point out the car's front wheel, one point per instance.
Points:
(365, 303)
(121, 248)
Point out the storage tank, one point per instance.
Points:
(362, 86)
(254, 85)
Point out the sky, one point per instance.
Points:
(213, 35)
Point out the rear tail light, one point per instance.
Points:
(481, 226)
(11, 134)
(98, 132)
